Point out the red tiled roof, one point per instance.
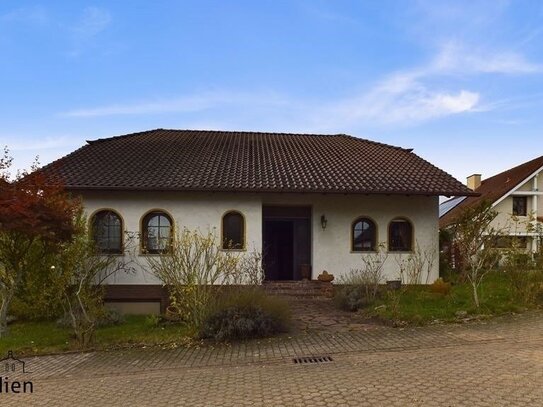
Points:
(191, 160)
(494, 188)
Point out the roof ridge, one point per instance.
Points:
(139, 133)
(264, 133)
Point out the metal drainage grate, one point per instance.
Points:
(312, 360)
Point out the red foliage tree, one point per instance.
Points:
(36, 214)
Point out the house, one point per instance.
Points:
(515, 196)
(11, 365)
(306, 201)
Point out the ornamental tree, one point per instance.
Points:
(36, 215)
(475, 238)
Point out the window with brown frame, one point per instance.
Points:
(233, 231)
(363, 235)
(400, 235)
(156, 232)
(107, 229)
(520, 205)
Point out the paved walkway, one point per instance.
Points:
(320, 315)
(499, 362)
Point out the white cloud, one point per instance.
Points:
(188, 103)
(84, 31)
(36, 15)
(21, 142)
(455, 58)
(403, 100)
(411, 96)
(93, 21)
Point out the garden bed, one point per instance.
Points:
(38, 338)
(418, 305)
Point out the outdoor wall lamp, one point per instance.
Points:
(324, 221)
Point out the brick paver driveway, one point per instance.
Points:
(480, 364)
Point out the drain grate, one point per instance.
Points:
(312, 360)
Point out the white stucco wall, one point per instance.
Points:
(331, 248)
(504, 219)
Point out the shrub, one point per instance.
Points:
(360, 286)
(197, 269)
(38, 296)
(351, 298)
(246, 313)
(152, 320)
(525, 276)
(108, 317)
(440, 287)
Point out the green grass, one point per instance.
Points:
(418, 305)
(34, 338)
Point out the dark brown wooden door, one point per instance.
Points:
(286, 242)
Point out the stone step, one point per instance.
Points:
(304, 288)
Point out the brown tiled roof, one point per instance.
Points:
(190, 160)
(494, 188)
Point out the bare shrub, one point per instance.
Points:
(196, 269)
(414, 266)
(78, 273)
(361, 285)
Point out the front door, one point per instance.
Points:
(286, 242)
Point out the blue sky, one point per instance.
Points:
(461, 82)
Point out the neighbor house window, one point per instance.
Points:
(400, 235)
(107, 231)
(520, 205)
(233, 231)
(157, 232)
(363, 237)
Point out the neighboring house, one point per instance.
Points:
(304, 201)
(516, 195)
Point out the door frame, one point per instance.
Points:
(291, 213)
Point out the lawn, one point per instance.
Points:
(35, 338)
(419, 305)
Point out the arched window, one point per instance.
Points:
(107, 231)
(233, 231)
(400, 235)
(156, 232)
(363, 235)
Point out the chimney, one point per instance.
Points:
(474, 181)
